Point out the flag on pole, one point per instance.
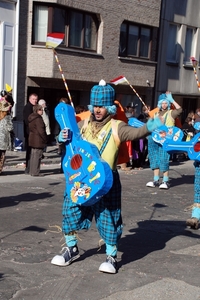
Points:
(54, 39)
(119, 80)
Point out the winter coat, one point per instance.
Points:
(28, 109)
(6, 127)
(45, 117)
(37, 133)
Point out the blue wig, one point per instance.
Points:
(112, 109)
(163, 98)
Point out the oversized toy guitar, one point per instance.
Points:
(171, 139)
(162, 134)
(88, 176)
(192, 147)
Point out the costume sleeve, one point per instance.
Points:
(129, 133)
(176, 112)
(9, 123)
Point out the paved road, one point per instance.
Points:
(158, 256)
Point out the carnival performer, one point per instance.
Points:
(193, 222)
(158, 158)
(102, 130)
(6, 127)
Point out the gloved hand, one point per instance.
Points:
(153, 124)
(169, 97)
(63, 136)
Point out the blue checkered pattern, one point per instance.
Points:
(197, 182)
(107, 212)
(158, 158)
(102, 95)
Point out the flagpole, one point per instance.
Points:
(63, 77)
(136, 93)
(194, 64)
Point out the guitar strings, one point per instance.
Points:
(77, 161)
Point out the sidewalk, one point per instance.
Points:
(17, 158)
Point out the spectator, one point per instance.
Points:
(37, 139)
(188, 129)
(28, 109)
(45, 117)
(79, 109)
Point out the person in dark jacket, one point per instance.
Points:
(188, 129)
(28, 109)
(37, 139)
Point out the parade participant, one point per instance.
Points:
(6, 127)
(101, 130)
(158, 158)
(193, 222)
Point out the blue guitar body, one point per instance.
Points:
(192, 147)
(162, 134)
(171, 139)
(88, 176)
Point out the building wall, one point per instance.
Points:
(8, 42)
(39, 70)
(178, 77)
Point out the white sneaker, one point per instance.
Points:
(164, 185)
(109, 266)
(69, 254)
(152, 184)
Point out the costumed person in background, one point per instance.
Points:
(6, 127)
(37, 139)
(158, 158)
(103, 131)
(8, 94)
(28, 109)
(193, 222)
(45, 117)
(8, 97)
(143, 117)
(130, 112)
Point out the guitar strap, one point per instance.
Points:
(112, 131)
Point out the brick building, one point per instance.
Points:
(103, 39)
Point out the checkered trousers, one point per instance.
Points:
(107, 213)
(158, 158)
(197, 182)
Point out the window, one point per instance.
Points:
(40, 23)
(135, 40)
(172, 43)
(190, 43)
(80, 27)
